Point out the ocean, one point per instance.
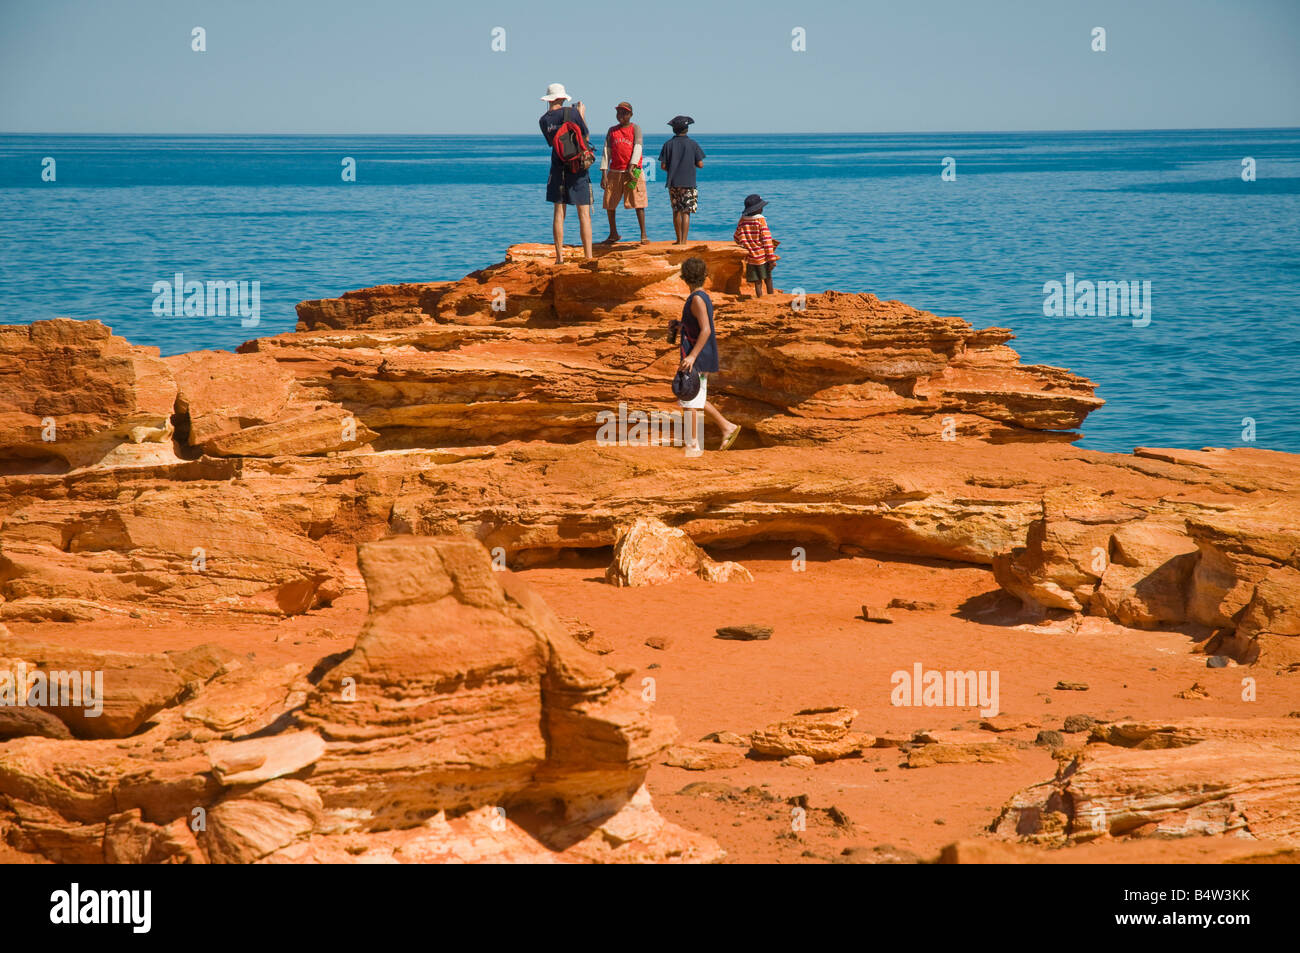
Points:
(1205, 351)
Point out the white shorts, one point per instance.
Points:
(697, 402)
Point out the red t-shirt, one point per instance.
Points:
(621, 140)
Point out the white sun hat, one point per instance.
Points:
(555, 91)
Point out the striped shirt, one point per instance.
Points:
(752, 234)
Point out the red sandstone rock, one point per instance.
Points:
(71, 394)
(134, 687)
(463, 690)
(173, 548)
(386, 306)
(822, 734)
(648, 553)
(509, 710)
(529, 350)
(1213, 777)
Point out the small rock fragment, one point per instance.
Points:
(745, 633)
(838, 817)
(912, 605)
(1076, 723)
(726, 738)
(703, 757)
(1002, 723)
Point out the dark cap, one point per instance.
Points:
(680, 122)
(623, 105)
(753, 204)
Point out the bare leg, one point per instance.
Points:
(770, 289)
(758, 289)
(681, 223)
(584, 228)
(725, 425)
(557, 227)
(613, 227)
(686, 227)
(640, 220)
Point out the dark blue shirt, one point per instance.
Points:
(707, 362)
(680, 153)
(550, 124)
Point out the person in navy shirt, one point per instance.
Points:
(564, 187)
(680, 157)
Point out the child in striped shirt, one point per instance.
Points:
(753, 235)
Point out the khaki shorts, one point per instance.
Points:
(617, 189)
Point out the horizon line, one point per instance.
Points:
(783, 135)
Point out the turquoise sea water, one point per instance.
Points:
(854, 212)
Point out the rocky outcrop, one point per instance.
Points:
(247, 405)
(509, 710)
(521, 350)
(101, 694)
(385, 306)
(526, 350)
(1201, 777)
(72, 394)
(84, 551)
(463, 693)
(1233, 570)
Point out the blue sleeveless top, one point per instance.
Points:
(707, 362)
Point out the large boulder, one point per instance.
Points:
(464, 690)
(72, 394)
(649, 552)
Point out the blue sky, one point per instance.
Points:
(399, 66)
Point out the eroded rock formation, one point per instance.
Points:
(465, 723)
(1238, 777)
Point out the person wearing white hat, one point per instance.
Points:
(563, 186)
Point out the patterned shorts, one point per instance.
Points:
(684, 200)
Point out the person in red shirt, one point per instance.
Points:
(753, 235)
(621, 175)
